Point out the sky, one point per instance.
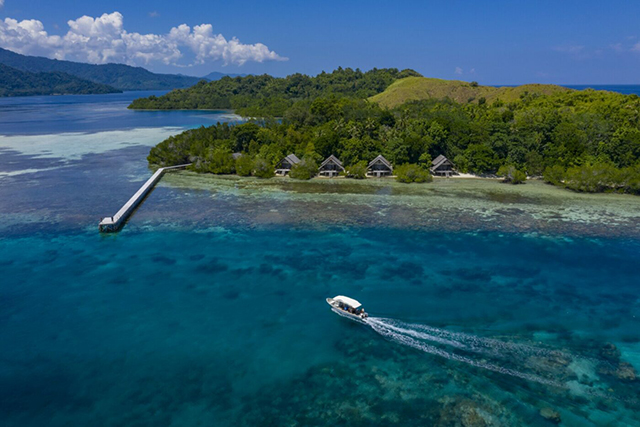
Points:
(492, 42)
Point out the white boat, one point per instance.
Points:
(347, 307)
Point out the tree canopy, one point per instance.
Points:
(264, 95)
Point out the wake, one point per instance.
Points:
(435, 341)
(493, 347)
(511, 359)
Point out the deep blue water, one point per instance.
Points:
(90, 113)
(221, 320)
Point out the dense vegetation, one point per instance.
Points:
(20, 83)
(217, 75)
(408, 173)
(584, 140)
(258, 96)
(511, 174)
(120, 76)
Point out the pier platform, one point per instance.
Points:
(114, 223)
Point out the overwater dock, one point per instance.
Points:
(114, 223)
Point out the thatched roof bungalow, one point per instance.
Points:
(331, 167)
(284, 166)
(379, 167)
(441, 166)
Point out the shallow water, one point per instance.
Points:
(208, 308)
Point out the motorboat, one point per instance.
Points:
(347, 307)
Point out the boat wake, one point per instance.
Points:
(462, 347)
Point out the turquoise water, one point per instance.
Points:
(219, 318)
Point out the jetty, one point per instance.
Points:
(114, 223)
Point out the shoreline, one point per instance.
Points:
(466, 205)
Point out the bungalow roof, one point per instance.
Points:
(293, 159)
(381, 159)
(439, 161)
(330, 159)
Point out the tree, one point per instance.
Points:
(590, 178)
(462, 163)
(412, 173)
(425, 160)
(570, 142)
(243, 135)
(624, 147)
(244, 165)
(218, 161)
(311, 154)
(534, 165)
(512, 175)
(439, 136)
(358, 170)
(262, 168)
(481, 158)
(355, 150)
(554, 175)
(306, 169)
(324, 109)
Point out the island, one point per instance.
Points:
(584, 140)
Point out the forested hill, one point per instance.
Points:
(120, 76)
(217, 75)
(21, 83)
(422, 88)
(265, 95)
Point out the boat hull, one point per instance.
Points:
(336, 308)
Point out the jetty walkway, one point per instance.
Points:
(114, 223)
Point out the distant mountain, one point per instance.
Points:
(120, 76)
(217, 75)
(15, 82)
(421, 88)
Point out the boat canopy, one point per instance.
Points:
(348, 301)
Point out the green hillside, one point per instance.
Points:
(423, 88)
(21, 83)
(120, 76)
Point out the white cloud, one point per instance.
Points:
(1, 3)
(458, 71)
(103, 39)
(636, 47)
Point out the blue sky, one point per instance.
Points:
(496, 42)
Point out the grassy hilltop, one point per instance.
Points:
(424, 88)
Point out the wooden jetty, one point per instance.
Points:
(114, 223)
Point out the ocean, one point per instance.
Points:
(488, 306)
